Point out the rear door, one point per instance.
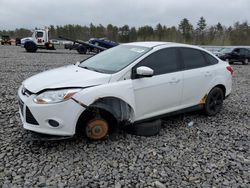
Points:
(162, 92)
(196, 76)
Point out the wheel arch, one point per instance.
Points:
(115, 110)
(222, 87)
(29, 42)
(33, 44)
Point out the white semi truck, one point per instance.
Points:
(39, 39)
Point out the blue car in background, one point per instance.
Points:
(94, 45)
(103, 42)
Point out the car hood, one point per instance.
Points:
(65, 77)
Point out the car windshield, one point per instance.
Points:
(226, 50)
(114, 59)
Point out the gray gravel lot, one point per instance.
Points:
(214, 152)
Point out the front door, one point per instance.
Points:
(160, 93)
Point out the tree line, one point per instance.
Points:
(185, 32)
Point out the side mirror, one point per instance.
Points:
(144, 72)
(77, 63)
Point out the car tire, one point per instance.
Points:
(214, 102)
(97, 129)
(145, 129)
(246, 61)
(81, 50)
(30, 47)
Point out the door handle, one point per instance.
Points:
(174, 81)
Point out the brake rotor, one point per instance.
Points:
(97, 129)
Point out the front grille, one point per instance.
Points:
(30, 118)
(20, 102)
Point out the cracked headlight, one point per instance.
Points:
(55, 96)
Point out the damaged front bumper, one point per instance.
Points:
(34, 136)
(53, 119)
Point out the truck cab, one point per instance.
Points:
(39, 39)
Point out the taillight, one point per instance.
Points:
(229, 68)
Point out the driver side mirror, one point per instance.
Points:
(144, 71)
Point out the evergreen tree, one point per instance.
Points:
(238, 34)
(186, 29)
(200, 31)
(159, 32)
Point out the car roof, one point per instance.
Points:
(153, 44)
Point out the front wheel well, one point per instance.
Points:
(90, 114)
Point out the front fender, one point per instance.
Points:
(122, 90)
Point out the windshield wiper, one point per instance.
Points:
(93, 69)
(84, 67)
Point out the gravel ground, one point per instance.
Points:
(214, 152)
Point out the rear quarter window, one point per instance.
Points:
(210, 59)
(192, 58)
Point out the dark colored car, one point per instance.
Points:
(232, 55)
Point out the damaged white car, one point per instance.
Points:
(127, 84)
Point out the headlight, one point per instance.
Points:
(55, 96)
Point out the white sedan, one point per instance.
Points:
(127, 84)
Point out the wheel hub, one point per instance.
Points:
(97, 129)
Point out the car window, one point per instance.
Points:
(210, 59)
(237, 50)
(244, 51)
(39, 34)
(226, 50)
(162, 61)
(192, 58)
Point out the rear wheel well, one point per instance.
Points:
(223, 88)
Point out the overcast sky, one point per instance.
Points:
(39, 13)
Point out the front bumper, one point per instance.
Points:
(35, 117)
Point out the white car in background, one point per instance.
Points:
(55, 41)
(23, 40)
(130, 83)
